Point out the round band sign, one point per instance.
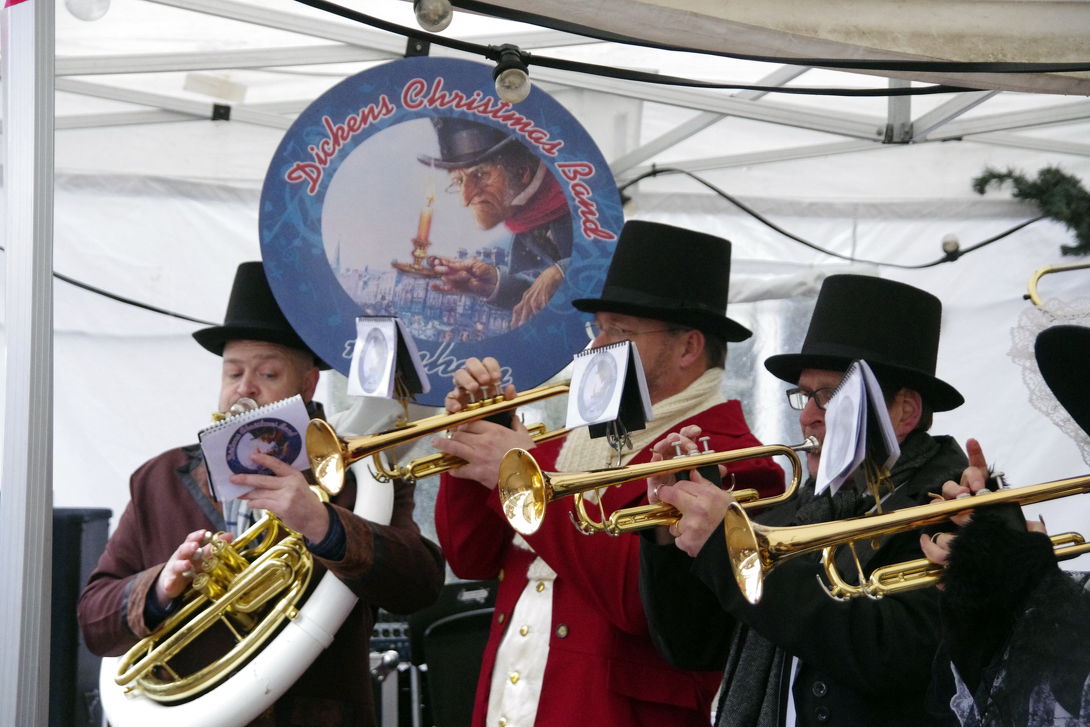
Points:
(411, 190)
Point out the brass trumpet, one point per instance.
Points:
(525, 490)
(330, 455)
(755, 549)
(440, 462)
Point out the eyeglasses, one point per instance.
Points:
(797, 398)
(614, 333)
(478, 176)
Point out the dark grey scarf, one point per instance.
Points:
(755, 679)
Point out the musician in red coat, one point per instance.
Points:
(569, 640)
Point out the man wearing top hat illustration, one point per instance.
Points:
(799, 657)
(151, 557)
(501, 181)
(1016, 628)
(569, 640)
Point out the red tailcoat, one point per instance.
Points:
(602, 667)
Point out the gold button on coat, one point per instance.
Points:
(562, 631)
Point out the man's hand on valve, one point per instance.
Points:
(702, 504)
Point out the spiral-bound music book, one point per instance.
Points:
(276, 429)
(608, 385)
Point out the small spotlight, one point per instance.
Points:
(511, 74)
(433, 15)
(951, 247)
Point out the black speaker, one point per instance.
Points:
(448, 639)
(79, 537)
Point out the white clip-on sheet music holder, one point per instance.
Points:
(386, 364)
(857, 431)
(385, 361)
(609, 394)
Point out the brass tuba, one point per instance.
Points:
(525, 490)
(256, 584)
(331, 454)
(755, 550)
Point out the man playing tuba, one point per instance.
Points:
(151, 557)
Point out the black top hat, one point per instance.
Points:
(1062, 355)
(465, 143)
(670, 274)
(252, 315)
(892, 326)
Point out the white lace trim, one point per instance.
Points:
(1031, 322)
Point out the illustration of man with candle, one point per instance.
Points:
(501, 181)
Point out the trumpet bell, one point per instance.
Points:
(744, 552)
(524, 491)
(326, 452)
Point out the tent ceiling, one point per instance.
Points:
(131, 68)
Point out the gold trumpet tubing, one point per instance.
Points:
(525, 490)
(641, 517)
(440, 462)
(756, 549)
(1035, 278)
(331, 454)
(922, 573)
(137, 668)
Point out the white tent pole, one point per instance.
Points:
(26, 523)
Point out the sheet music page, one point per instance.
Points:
(598, 380)
(372, 369)
(883, 441)
(636, 372)
(408, 361)
(845, 432)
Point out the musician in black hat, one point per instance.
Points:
(501, 181)
(1016, 628)
(150, 559)
(569, 639)
(798, 656)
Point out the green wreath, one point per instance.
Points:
(1058, 195)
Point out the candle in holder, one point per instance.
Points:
(423, 228)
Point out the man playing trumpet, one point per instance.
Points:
(1016, 646)
(798, 656)
(569, 638)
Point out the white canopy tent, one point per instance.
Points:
(155, 201)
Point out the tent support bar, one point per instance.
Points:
(693, 126)
(26, 508)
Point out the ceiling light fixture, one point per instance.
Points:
(511, 74)
(87, 9)
(433, 15)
